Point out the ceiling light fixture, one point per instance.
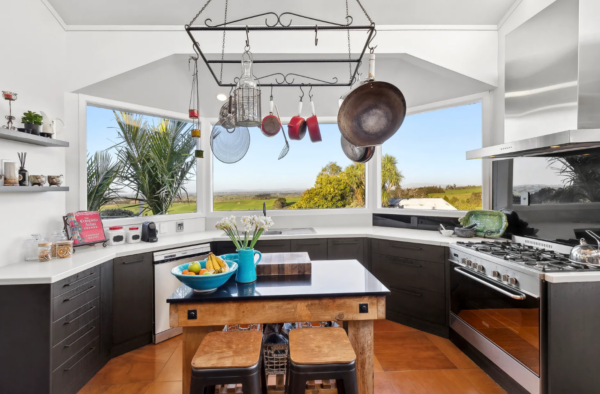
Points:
(222, 97)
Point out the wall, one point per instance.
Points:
(34, 49)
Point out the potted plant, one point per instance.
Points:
(32, 121)
(254, 226)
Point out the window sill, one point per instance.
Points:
(421, 212)
(156, 218)
(293, 212)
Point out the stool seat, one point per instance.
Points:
(320, 346)
(228, 349)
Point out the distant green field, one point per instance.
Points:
(457, 193)
(178, 207)
(250, 205)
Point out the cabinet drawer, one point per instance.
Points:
(273, 246)
(408, 250)
(84, 360)
(417, 303)
(74, 298)
(225, 247)
(73, 322)
(316, 248)
(74, 343)
(346, 249)
(73, 281)
(399, 271)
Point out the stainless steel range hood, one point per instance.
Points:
(552, 83)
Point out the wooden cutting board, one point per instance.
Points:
(273, 264)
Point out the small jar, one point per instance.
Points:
(133, 235)
(31, 247)
(56, 237)
(116, 235)
(64, 249)
(45, 251)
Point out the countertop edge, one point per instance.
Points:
(572, 277)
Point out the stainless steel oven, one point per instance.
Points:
(499, 318)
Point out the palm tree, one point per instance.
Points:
(391, 177)
(582, 177)
(157, 159)
(101, 176)
(355, 176)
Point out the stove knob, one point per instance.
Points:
(496, 275)
(505, 278)
(464, 261)
(512, 281)
(481, 268)
(469, 263)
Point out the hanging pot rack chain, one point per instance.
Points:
(279, 25)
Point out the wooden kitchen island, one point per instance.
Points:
(335, 291)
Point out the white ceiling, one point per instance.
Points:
(383, 12)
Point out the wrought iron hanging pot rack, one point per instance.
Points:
(287, 79)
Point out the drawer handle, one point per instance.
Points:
(79, 280)
(268, 245)
(134, 261)
(78, 361)
(310, 244)
(393, 245)
(73, 343)
(75, 296)
(345, 242)
(412, 293)
(405, 262)
(72, 320)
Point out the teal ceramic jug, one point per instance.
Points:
(246, 272)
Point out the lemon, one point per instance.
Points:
(195, 267)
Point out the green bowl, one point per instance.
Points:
(490, 224)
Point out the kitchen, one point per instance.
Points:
(420, 309)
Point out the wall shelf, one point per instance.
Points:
(33, 189)
(14, 135)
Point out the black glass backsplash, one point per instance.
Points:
(414, 222)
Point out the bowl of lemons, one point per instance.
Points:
(205, 276)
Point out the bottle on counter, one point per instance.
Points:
(133, 235)
(116, 235)
(31, 247)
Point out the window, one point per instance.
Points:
(311, 176)
(139, 165)
(424, 166)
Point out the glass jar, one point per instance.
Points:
(64, 249)
(55, 237)
(44, 251)
(133, 235)
(116, 235)
(247, 96)
(31, 247)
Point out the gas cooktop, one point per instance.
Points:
(532, 257)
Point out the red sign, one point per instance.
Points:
(85, 227)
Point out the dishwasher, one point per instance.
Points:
(165, 284)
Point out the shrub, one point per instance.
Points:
(116, 213)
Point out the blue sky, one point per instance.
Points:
(430, 148)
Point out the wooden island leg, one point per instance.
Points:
(192, 336)
(360, 333)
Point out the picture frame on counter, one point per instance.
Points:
(85, 228)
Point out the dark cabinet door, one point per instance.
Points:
(133, 297)
(224, 247)
(106, 309)
(273, 246)
(347, 249)
(316, 248)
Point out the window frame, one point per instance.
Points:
(84, 102)
(211, 213)
(486, 171)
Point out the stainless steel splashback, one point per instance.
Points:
(552, 83)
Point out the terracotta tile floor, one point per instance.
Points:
(407, 361)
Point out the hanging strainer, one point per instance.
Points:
(227, 114)
(229, 146)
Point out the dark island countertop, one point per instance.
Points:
(337, 278)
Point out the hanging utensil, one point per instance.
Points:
(286, 148)
(270, 124)
(229, 146)
(297, 125)
(312, 123)
(358, 154)
(247, 95)
(372, 112)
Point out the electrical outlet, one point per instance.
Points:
(179, 227)
(192, 314)
(363, 308)
(163, 228)
(414, 221)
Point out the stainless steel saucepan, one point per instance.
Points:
(586, 254)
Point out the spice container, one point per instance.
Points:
(133, 235)
(31, 247)
(64, 249)
(45, 251)
(116, 235)
(56, 237)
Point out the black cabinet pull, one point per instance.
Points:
(73, 343)
(72, 320)
(310, 244)
(412, 293)
(394, 245)
(81, 359)
(268, 245)
(134, 261)
(79, 280)
(345, 242)
(405, 262)
(75, 296)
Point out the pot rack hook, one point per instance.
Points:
(247, 38)
(372, 49)
(316, 35)
(271, 92)
(302, 90)
(310, 93)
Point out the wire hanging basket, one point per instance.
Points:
(247, 95)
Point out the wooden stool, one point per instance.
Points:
(321, 354)
(228, 357)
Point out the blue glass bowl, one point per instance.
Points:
(204, 283)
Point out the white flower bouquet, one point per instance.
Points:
(253, 227)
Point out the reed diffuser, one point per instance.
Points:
(24, 174)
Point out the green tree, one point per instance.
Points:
(355, 176)
(157, 160)
(332, 168)
(102, 173)
(330, 191)
(391, 177)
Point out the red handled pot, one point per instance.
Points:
(297, 125)
(313, 125)
(270, 124)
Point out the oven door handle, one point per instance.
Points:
(517, 296)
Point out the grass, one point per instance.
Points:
(461, 193)
(250, 205)
(178, 207)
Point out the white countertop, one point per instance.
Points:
(31, 272)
